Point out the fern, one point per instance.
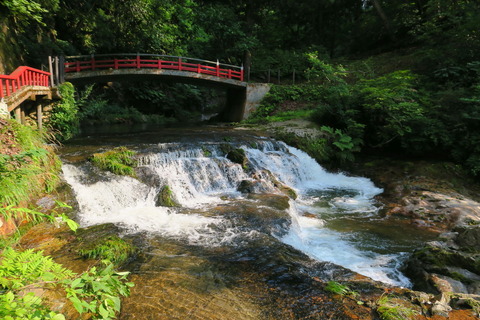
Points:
(19, 269)
(95, 291)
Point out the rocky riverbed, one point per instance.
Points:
(274, 282)
(438, 196)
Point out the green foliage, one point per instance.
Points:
(112, 249)
(391, 310)
(10, 212)
(98, 292)
(390, 104)
(64, 116)
(345, 145)
(95, 291)
(338, 288)
(20, 269)
(28, 306)
(119, 161)
(30, 169)
(324, 72)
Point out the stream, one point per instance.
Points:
(227, 254)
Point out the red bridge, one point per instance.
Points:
(26, 84)
(152, 62)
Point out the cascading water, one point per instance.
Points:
(202, 179)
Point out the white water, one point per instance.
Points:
(199, 181)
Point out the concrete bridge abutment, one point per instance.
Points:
(242, 102)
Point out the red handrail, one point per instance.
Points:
(147, 61)
(22, 76)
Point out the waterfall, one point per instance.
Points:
(202, 178)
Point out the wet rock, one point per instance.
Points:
(444, 266)
(275, 201)
(238, 156)
(165, 198)
(253, 186)
(148, 176)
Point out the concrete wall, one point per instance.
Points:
(255, 93)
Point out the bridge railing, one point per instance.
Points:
(22, 76)
(152, 61)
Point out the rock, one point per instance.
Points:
(238, 156)
(246, 186)
(446, 284)
(165, 198)
(148, 176)
(468, 238)
(442, 307)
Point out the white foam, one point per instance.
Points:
(327, 245)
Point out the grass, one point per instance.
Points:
(28, 167)
(119, 161)
(340, 289)
(388, 309)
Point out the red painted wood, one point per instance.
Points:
(152, 63)
(22, 76)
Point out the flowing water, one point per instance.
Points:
(219, 233)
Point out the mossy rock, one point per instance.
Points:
(118, 160)
(225, 148)
(101, 242)
(165, 198)
(238, 156)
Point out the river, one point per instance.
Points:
(226, 254)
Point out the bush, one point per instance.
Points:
(64, 118)
(390, 104)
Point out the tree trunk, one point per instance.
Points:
(384, 18)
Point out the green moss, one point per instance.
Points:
(119, 161)
(165, 198)
(112, 248)
(238, 156)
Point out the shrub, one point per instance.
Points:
(64, 117)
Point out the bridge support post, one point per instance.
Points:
(40, 116)
(18, 115)
(235, 105)
(243, 101)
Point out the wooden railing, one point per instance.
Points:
(152, 61)
(22, 76)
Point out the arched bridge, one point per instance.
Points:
(112, 67)
(242, 97)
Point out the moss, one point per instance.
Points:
(165, 198)
(111, 248)
(119, 161)
(238, 156)
(226, 148)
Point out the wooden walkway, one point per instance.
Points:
(25, 84)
